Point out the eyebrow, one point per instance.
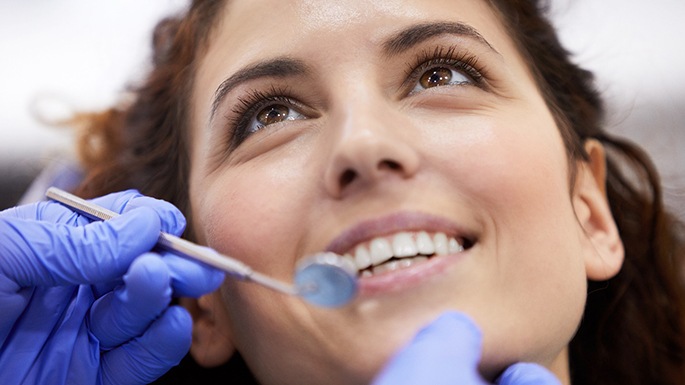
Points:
(416, 34)
(402, 41)
(277, 67)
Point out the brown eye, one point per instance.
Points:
(269, 112)
(434, 77)
(437, 76)
(274, 113)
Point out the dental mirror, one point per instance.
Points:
(324, 279)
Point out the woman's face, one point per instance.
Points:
(358, 126)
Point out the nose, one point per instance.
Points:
(369, 148)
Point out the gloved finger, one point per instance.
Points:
(126, 312)
(58, 213)
(172, 219)
(48, 211)
(446, 351)
(190, 278)
(39, 253)
(146, 358)
(527, 374)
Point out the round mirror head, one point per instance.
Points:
(326, 279)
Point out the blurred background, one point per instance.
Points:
(60, 56)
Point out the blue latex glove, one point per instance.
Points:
(86, 303)
(446, 352)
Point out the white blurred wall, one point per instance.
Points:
(83, 53)
(637, 51)
(57, 55)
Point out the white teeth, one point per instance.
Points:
(349, 261)
(362, 258)
(399, 264)
(424, 243)
(380, 251)
(440, 243)
(403, 245)
(454, 247)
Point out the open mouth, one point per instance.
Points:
(403, 250)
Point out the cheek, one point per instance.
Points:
(246, 211)
(514, 173)
(512, 163)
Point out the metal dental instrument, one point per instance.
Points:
(324, 279)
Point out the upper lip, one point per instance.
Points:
(393, 223)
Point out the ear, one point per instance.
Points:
(212, 339)
(604, 251)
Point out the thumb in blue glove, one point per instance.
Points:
(447, 352)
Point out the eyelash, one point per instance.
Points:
(251, 104)
(255, 100)
(442, 56)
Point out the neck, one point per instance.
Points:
(560, 367)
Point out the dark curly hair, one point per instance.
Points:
(632, 331)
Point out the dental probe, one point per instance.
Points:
(324, 279)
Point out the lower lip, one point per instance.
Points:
(403, 279)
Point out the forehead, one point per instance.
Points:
(336, 14)
(251, 30)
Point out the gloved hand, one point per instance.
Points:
(80, 305)
(446, 352)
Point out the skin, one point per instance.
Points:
(372, 158)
